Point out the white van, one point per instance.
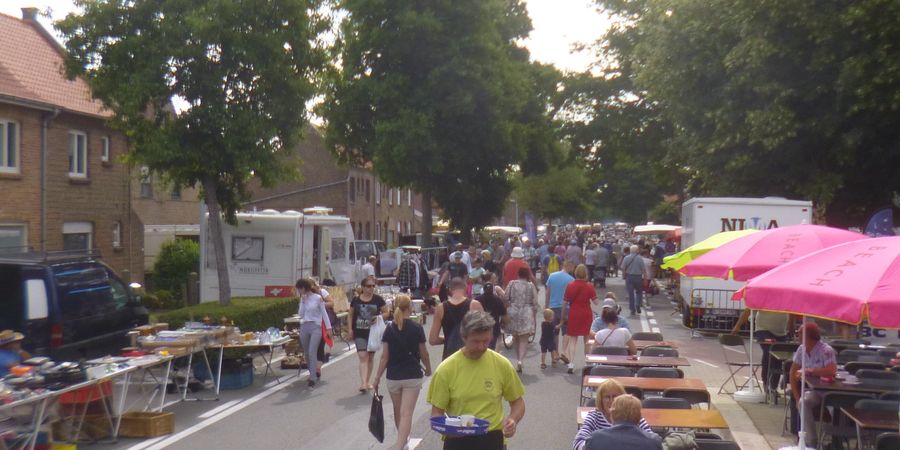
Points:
(268, 251)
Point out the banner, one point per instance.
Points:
(530, 228)
(881, 223)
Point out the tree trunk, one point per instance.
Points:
(426, 218)
(215, 235)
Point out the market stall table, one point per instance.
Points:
(637, 361)
(672, 418)
(263, 349)
(865, 385)
(648, 384)
(640, 345)
(871, 420)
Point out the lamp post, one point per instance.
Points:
(516, 203)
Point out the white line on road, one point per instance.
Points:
(706, 363)
(653, 322)
(736, 350)
(218, 409)
(156, 444)
(413, 443)
(655, 330)
(649, 313)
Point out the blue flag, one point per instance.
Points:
(881, 223)
(530, 228)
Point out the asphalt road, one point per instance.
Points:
(334, 415)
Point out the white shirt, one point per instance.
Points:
(368, 270)
(467, 260)
(614, 338)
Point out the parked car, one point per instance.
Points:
(68, 305)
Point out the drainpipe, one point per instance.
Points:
(45, 125)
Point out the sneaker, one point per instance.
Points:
(310, 383)
(570, 368)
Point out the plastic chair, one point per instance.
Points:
(853, 366)
(890, 396)
(647, 336)
(887, 354)
(879, 405)
(837, 426)
(716, 444)
(635, 391)
(735, 364)
(610, 371)
(665, 403)
(659, 372)
(887, 441)
(850, 355)
(877, 374)
(609, 351)
(694, 396)
(660, 351)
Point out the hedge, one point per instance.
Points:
(248, 313)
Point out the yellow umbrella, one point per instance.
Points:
(680, 259)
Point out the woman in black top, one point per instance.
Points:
(403, 355)
(448, 315)
(364, 310)
(496, 308)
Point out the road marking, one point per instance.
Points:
(736, 350)
(219, 409)
(649, 313)
(653, 321)
(655, 330)
(157, 444)
(706, 363)
(413, 443)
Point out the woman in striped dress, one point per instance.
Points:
(598, 418)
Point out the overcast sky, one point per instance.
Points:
(558, 24)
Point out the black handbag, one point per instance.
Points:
(376, 418)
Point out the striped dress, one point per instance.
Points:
(595, 420)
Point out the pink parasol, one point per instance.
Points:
(848, 282)
(757, 253)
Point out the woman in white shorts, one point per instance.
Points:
(404, 356)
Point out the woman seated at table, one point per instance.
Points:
(611, 335)
(598, 419)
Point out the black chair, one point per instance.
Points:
(609, 351)
(665, 403)
(887, 354)
(877, 374)
(849, 355)
(854, 366)
(887, 441)
(660, 351)
(879, 405)
(716, 444)
(776, 368)
(849, 342)
(610, 371)
(635, 391)
(890, 396)
(647, 336)
(837, 426)
(693, 396)
(659, 372)
(589, 402)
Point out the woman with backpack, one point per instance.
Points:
(448, 315)
(406, 360)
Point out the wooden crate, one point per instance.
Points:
(147, 424)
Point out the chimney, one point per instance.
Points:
(29, 13)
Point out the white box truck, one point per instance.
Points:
(707, 303)
(268, 251)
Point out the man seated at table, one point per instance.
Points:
(625, 414)
(609, 302)
(820, 362)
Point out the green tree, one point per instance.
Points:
(440, 97)
(765, 97)
(245, 70)
(177, 259)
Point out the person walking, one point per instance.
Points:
(312, 313)
(449, 315)
(496, 307)
(406, 360)
(364, 310)
(573, 253)
(475, 381)
(633, 270)
(523, 306)
(577, 314)
(602, 265)
(513, 265)
(590, 260)
(557, 283)
(368, 269)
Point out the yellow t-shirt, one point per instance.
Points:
(461, 385)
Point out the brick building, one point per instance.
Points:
(165, 212)
(62, 183)
(376, 211)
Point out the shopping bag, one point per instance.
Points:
(376, 418)
(375, 334)
(328, 341)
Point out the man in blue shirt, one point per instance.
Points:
(556, 287)
(10, 350)
(598, 324)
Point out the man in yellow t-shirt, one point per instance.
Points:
(475, 380)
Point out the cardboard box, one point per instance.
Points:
(147, 424)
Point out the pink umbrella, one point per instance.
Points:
(757, 253)
(848, 282)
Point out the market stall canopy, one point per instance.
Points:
(754, 254)
(678, 260)
(652, 228)
(504, 230)
(848, 282)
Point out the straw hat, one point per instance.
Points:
(517, 252)
(10, 336)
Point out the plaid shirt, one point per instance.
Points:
(406, 276)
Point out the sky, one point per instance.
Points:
(558, 25)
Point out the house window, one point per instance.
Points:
(391, 197)
(146, 183)
(377, 192)
(408, 228)
(398, 196)
(368, 191)
(13, 238)
(77, 154)
(104, 149)
(409, 197)
(175, 194)
(351, 188)
(377, 230)
(368, 230)
(78, 236)
(9, 146)
(117, 235)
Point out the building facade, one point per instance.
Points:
(376, 211)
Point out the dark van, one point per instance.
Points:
(67, 305)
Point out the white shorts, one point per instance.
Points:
(395, 386)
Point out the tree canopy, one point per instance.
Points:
(244, 69)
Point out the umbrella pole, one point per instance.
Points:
(751, 394)
(801, 435)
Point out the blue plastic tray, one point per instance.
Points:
(480, 427)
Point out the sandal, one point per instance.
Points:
(543, 366)
(564, 359)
